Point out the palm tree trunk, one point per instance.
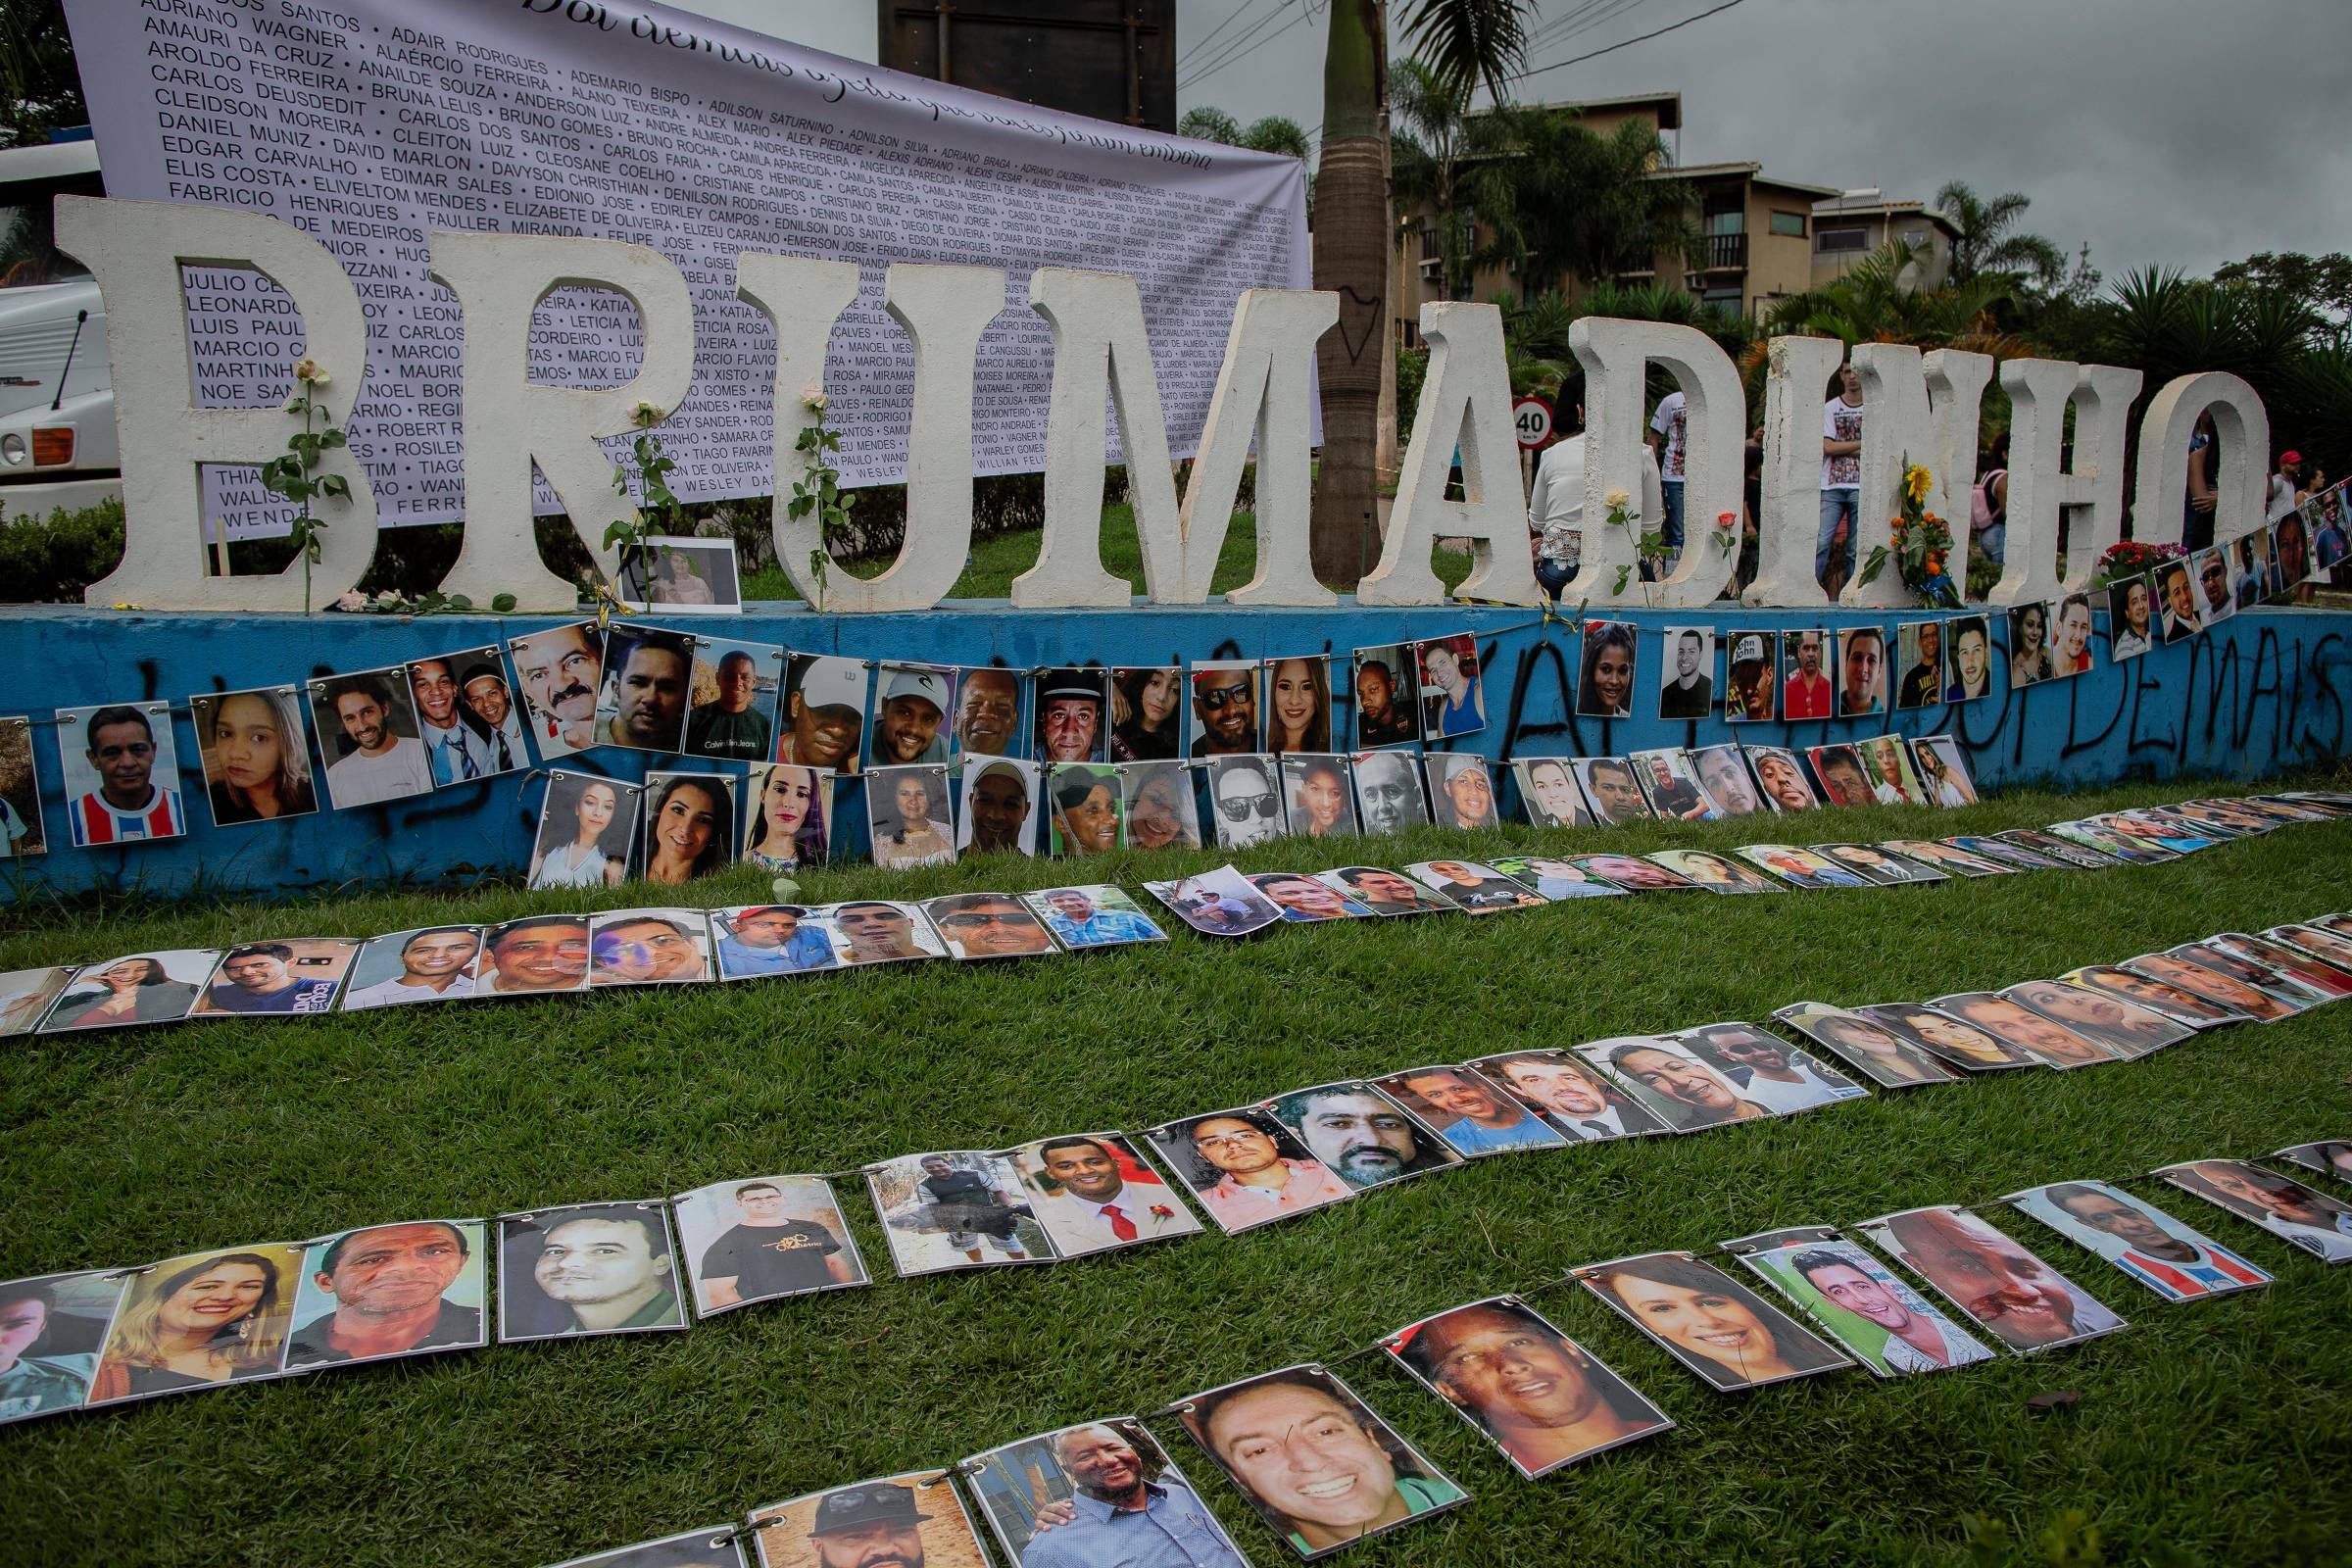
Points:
(1352, 246)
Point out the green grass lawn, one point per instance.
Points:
(998, 559)
(2214, 1433)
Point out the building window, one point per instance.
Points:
(1791, 223)
(1841, 239)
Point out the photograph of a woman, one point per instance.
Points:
(790, 814)
(2029, 644)
(256, 756)
(1604, 685)
(196, 1321)
(1298, 705)
(689, 825)
(584, 832)
(906, 806)
(1716, 1327)
(142, 988)
(1147, 714)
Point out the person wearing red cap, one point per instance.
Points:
(2283, 485)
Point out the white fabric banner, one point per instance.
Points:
(369, 123)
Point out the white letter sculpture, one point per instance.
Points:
(1923, 408)
(944, 309)
(1466, 400)
(1099, 348)
(2089, 498)
(1263, 389)
(135, 250)
(2161, 494)
(1616, 357)
(1788, 532)
(511, 420)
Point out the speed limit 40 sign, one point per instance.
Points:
(1533, 418)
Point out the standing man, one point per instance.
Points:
(486, 694)
(435, 962)
(1808, 690)
(1119, 1517)
(772, 939)
(1915, 1342)
(1840, 478)
(1862, 656)
(1093, 1208)
(907, 723)
(727, 726)
(128, 804)
(1690, 694)
(386, 1281)
(457, 753)
(988, 712)
(1668, 426)
(254, 979)
(382, 766)
(1484, 1121)
(968, 1193)
(768, 1253)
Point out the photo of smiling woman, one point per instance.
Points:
(907, 809)
(1298, 705)
(1319, 1467)
(689, 825)
(1726, 1334)
(1604, 684)
(1147, 714)
(200, 1320)
(1158, 807)
(257, 754)
(585, 828)
(786, 826)
(145, 988)
(1540, 1397)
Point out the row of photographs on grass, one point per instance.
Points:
(677, 826)
(1323, 1470)
(543, 955)
(385, 1291)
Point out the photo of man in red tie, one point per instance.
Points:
(1095, 1192)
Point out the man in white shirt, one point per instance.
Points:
(435, 964)
(1665, 443)
(1555, 507)
(457, 753)
(1917, 1341)
(1095, 1209)
(1840, 473)
(381, 765)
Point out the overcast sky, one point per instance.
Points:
(2186, 134)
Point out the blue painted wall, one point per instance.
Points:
(2266, 691)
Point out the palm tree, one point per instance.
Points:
(1466, 41)
(1873, 303)
(1207, 122)
(1985, 243)
(1425, 158)
(1562, 200)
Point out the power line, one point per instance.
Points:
(1210, 37)
(1242, 44)
(1655, 32)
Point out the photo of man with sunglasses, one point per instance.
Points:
(1224, 708)
(1249, 807)
(987, 925)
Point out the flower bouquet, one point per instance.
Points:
(1922, 545)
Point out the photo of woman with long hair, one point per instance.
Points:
(689, 826)
(256, 756)
(192, 1322)
(1147, 714)
(1298, 705)
(787, 824)
(134, 990)
(1716, 1327)
(584, 832)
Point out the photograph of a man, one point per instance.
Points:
(1388, 798)
(2013, 1295)
(646, 947)
(956, 1209)
(871, 931)
(366, 724)
(1862, 662)
(1881, 1322)
(1387, 701)
(560, 669)
(1247, 1168)
(1767, 1069)
(765, 1239)
(390, 1290)
(491, 701)
(1069, 707)
(536, 955)
(737, 721)
(1471, 1115)
(278, 977)
(824, 712)
(1094, 1192)
(1352, 1128)
(999, 808)
(1805, 692)
(1383, 890)
(588, 1268)
(987, 925)
(1096, 915)
(1611, 790)
(764, 939)
(1543, 1399)
(1576, 1102)
(1248, 800)
(988, 712)
(459, 747)
(1920, 645)
(913, 1520)
(2170, 1258)
(2286, 1208)
(1118, 1499)
(1688, 687)
(648, 676)
(1224, 708)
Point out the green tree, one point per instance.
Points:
(1560, 199)
(2323, 283)
(1987, 242)
(1205, 122)
(1430, 132)
(1466, 41)
(40, 91)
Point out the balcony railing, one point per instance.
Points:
(1727, 253)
